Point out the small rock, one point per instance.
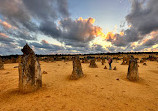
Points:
(47, 96)
(144, 64)
(7, 72)
(114, 68)
(96, 75)
(16, 66)
(118, 79)
(44, 72)
(105, 67)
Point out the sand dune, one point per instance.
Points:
(98, 90)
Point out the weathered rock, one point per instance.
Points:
(127, 60)
(133, 70)
(114, 68)
(124, 61)
(30, 77)
(16, 66)
(103, 61)
(98, 59)
(83, 61)
(1, 64)
(142, 61)
(13, 60)
(144, 64)
(44, 72)
(77, 69)
(93, 64)
(96, 75)
(86, 60)
(105, 67)
(18, 59)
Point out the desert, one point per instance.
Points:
(98, 90)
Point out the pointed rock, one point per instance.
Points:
(114, 68)
(77, 69)
(133, 70)
(105, 67)
(103, 61)
(30, 77)
(93, 64)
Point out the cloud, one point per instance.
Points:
(22, 20)
(6, 24)
(50, 28)
(144, 17)
(46, 46)
(5, 38)
(63, 7)
(79, 31)
(143, 20)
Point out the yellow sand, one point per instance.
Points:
(90, 93)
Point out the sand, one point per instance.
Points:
(98, 90)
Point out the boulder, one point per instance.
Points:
(133, 70)
(93, 64)
(114, 68)
(77, 69)
(30, 77)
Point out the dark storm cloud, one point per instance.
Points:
(43, 9)
(24, 13)
(46, 45)
(7, 49)
(13, 9)
(151, 42)
(97, 49)
(130, 35)
(63, 7)
(50, 28)
(144, 17)
(77, 33)
(78, 30)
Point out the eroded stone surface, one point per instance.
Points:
(77, 69)
(133, 70)
(30, 77)
(1, 64)
(93, 64)
(103, 61)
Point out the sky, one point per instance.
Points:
(78, 26)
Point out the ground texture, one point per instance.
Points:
(98, 90)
